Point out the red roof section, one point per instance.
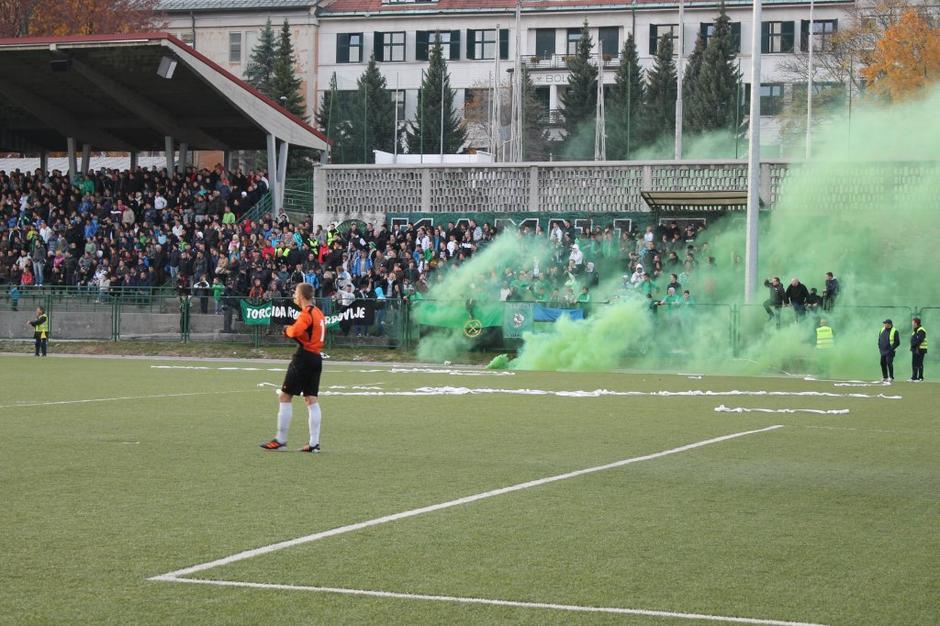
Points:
(161, 36)
(376, 6)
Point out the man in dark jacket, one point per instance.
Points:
(888, 342)
(831, 292)
(777, 296)
(918, 350)
(796, 296)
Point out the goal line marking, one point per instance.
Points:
(281, 545)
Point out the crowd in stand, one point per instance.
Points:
(147, 228)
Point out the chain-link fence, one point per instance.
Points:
(162, 314)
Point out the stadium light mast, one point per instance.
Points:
(600, 118)
(809, 84)
(753, 162)
(679, 73)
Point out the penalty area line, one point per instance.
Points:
(175, 575)
(496, 602)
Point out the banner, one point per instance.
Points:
(546, 314)
(283, 312)
(256, 314)
(455, 314)
(517, 319)
(360, 312)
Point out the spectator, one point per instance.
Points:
(796, 296)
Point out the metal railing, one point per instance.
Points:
(264, 205)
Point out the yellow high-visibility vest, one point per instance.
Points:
(824, 338)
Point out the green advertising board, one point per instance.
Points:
(517, 319)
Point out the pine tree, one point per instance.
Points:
(580, 100)
(659, 107)
(691, 85)
(371, 116)
(716, 94)
(285, 84)
(285, 90)
(424, 133)
(536, 145)
(261, 64)
(333, 120)
(625, 107)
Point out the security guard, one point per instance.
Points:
(888, 342)
(918, 350)
(823, 336)
(40, 330)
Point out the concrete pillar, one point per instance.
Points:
(168, 149)
(319, 191)
(86, 158)
(425, 189)
(184, 157)
(272, 175)
(282, 171)
(133, 161)
(44, 163)
(73, 163)
(533, 189)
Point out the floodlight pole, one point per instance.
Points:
(753, 163)
(809, 84)
(680, 70)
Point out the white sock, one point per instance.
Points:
(314, 410)
(284, 415)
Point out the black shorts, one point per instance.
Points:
(303, 374)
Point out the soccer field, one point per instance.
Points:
(133, 491)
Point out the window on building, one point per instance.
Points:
(234, 47)
(776, 37)
(657, 31)
(574, 36)
(449, 40)
(349, 48)
(543, 96)
(707, 30)
(187, 37)
(389, 46)
(544, 42)
(608, 40)
(771, 99)
(823, 31)
(825, 95)
(485, 44)
(398, 97)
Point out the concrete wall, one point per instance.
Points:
(97, 325)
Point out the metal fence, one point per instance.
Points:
(162, 314)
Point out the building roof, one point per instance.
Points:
(185, 6)
(105, 91)
(330, 8)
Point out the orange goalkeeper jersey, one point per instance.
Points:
(309, 330)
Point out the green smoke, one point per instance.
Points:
(863, 208)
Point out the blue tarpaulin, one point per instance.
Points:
(545, 314)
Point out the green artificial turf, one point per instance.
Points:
(832, 519)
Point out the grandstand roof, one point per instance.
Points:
(105, 90)
(231, 5)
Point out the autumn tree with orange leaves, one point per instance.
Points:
(905, 59)
(30, 18)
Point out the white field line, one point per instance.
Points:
(119, 398)
(874, 430)
(598, 393)
(506, 603)
(392, 370)
(729, 409)
(274, 547)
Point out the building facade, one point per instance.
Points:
(482, 38)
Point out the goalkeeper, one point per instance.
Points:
(303, 373)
